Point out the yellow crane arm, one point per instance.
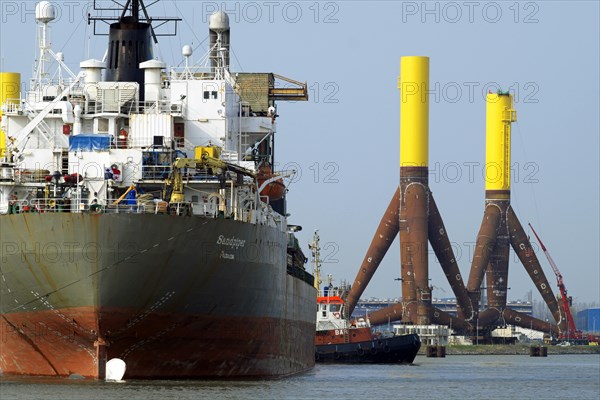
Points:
(200, 163)
(129, 189)
(210, 162)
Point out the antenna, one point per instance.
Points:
(131, 12)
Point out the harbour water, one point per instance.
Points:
(454, 377)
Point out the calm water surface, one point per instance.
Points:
(454, 377)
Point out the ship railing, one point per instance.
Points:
(230, 156)
(139, 208)
(39, 206)
(55, 205)
(30, 175)
(135, 107)
(190, 73)
(122, 107)
(329, 291)
(156, 172)
(125, 142)
(158, 107)
(12, 106)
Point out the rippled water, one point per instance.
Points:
(454, 377)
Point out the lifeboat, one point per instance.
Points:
(274, 190)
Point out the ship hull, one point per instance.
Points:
(393, 350)
(174, 297)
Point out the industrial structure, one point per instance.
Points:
(414, 215)
(368, 306)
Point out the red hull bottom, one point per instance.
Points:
(65, 342)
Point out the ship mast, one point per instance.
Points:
(45, 13)
(315, 250)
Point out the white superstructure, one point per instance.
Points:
(78, 143)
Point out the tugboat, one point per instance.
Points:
(339, 339)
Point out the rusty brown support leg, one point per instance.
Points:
(414, 242)
(488, 317)
(387, 314)
(484, 247)
(384, 236)
(440, 243)
(522, 246)
(513, 317)
(497, 271)
(443, 318)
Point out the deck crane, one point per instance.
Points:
(566, 301)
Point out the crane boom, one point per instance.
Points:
(571, 330)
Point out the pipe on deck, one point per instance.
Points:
(522, 246)
(440, 243)
(384, 236)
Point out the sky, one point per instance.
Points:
(344, 142)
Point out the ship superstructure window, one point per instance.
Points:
(210, 95)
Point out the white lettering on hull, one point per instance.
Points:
(231, 242)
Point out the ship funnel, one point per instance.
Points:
(218, 28)
(129, 44)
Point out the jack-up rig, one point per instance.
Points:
(414, 215)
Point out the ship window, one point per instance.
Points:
(213, 94)
(324, 314)
(194, 199)
(206, 95)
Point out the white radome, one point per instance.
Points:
(219, 22)
(187, 50)
(45, 12)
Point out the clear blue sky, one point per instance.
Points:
(344, 141)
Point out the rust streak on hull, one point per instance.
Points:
(162, 346)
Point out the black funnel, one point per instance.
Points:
(129, 44)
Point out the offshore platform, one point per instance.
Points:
(414, 216)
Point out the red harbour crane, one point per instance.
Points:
(566, 301)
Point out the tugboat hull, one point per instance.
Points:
(393, 350)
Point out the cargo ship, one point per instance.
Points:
(141, 215)
(341, 339)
